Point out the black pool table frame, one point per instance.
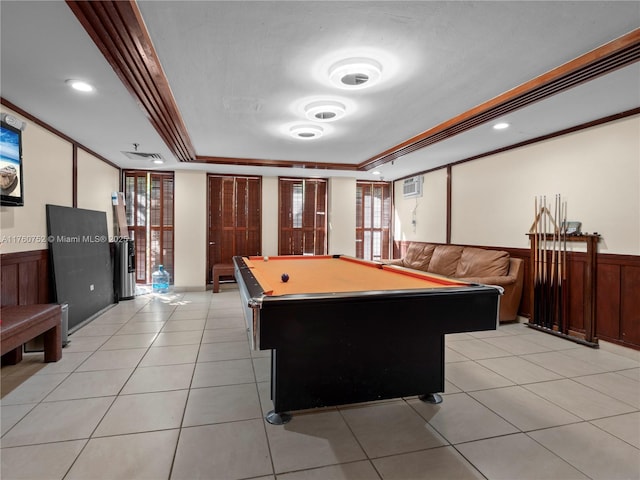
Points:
(335, 349)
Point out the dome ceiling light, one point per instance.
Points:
(80, 85)
(355, 73)
(306, 132)
(325, 111)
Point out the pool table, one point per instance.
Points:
(343, 330)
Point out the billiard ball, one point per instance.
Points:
(266, 259)
(285, 277)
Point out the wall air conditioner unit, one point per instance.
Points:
(412, 187)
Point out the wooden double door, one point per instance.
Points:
(234, 218)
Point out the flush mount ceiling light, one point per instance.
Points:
(325, 111)
(376, 172)
(501, 126)
(306, 132)
(80, 85)
(355, 73)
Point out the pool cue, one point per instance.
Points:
(542, 262)
(558, 256)
(543, 278)
(552, 267)
(545, 264)
(534, 239)
(563, 272)
(538, 319)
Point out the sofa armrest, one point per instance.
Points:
(512, 284)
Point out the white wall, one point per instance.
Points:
(341, 221)
(47, 178)
(430, 211)
(96, 181)
(269, 216)
(190, 230)
(596, 170)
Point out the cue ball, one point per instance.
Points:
(285, 277)
(266, 259)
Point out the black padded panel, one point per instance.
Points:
(80, 259)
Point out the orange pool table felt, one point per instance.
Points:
(326, 274)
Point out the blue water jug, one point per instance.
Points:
(160, 280)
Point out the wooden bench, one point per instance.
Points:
(21, 323)
(220, 270)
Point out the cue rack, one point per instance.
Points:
(549, 284)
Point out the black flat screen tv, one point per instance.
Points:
(11, 191)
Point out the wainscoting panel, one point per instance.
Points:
(25, 278)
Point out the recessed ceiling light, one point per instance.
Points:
(325, 111)
(376, 172)
(355, 73)
(306, 132)
(158, 161)
(80, 85)
(501, 126)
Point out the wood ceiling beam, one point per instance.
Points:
(614, 55)
(255, 162)
(118, 30)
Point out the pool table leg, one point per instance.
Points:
(431, 398)
(275, 418)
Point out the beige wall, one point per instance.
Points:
(341, 220)
(47, 178)
(597, 171)
(190, 230)
(97, 180)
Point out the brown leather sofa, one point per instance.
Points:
(477, 265)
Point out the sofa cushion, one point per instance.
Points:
(478, 262)
(418, 256)
(445, 260)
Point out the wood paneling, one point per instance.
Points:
(575, 285)
(25, 278)
(608, 301)
(630, 304)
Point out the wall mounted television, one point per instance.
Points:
(11, 190)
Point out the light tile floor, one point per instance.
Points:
(167, 387)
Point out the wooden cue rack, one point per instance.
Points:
(589, 337)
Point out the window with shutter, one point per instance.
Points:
(149, 212)
(303, 219)
(373, 220)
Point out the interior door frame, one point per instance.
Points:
(210, 245)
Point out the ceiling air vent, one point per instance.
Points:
(412, 187)
(143, 156)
